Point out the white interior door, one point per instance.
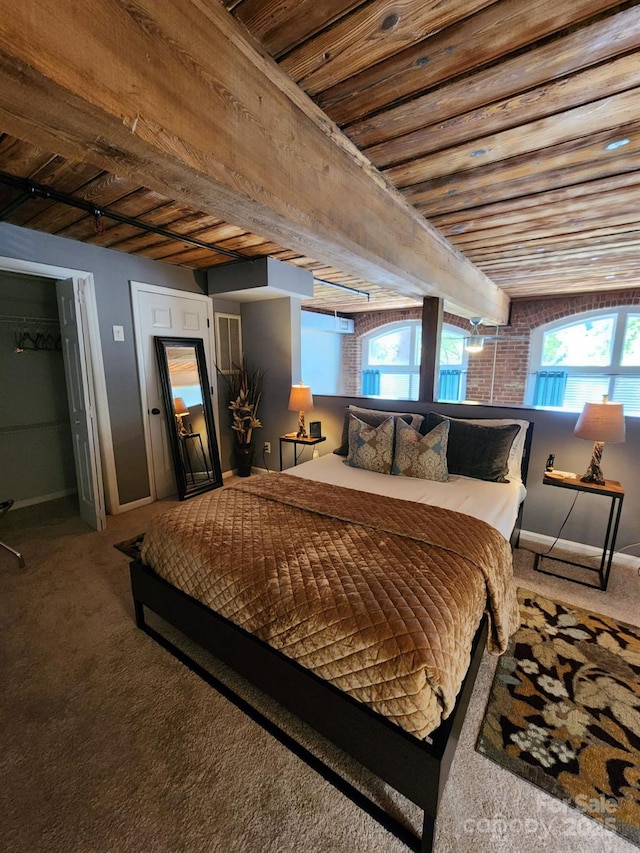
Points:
(81, 397)
(159, 313)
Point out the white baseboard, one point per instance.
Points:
(576, 548)
(44, 498)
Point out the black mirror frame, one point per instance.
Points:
(184, 489)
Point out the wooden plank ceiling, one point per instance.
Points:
(512, 126)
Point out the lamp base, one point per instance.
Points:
(302, 432)
(594, 474)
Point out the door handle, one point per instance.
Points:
(155, 411)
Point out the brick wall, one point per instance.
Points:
(511, 356)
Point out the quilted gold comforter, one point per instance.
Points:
(381, 597)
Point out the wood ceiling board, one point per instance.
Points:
(67, 177)
(135, 206)
(242, 241)
(539, 229)
(560, 166)
(499, 212)
(564, 217)
(602, 115)
(573, 278)
(536, 291)
(201, 258)
(140, 204)
(192, 257)
(587, 241)
(519, 258)
(553, 231)
(53, 217)
(285, 255)
(372, 33)
(587, 264)
(179, 220)
(523, 108)
(497, 31)
(280, 25)
(262, 155)
(118, 235)
(558, 58)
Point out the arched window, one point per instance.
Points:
(581, 360)
(391, 362)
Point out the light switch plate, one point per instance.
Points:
(118, 333)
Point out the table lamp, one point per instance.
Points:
(180, 410)
(599, 422)
(300, 401)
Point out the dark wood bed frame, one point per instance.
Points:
(418, 769)
(413, 767)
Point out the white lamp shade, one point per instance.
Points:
(300, 398)
(601, 422)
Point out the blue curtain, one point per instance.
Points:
(449, 385)
(549, 389)
(370, 382)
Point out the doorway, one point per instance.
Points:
(54, 415)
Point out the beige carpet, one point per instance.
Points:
(109, 744)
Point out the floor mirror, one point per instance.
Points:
(190, 424)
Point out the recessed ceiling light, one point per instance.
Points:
(619, 143)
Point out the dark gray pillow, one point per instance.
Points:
(373, 418)
(477, 451)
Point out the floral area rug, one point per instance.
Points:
(564, 711)
(131, 547)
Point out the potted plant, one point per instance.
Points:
(244, 386)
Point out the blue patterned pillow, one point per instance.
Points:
(371, 447)
(422, 456)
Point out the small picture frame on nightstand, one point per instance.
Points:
(315, 429)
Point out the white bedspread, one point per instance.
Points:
(495, 503)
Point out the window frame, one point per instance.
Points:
(409, 370)
(413, 368)
(612, 371)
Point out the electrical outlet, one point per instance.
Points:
(266, 448)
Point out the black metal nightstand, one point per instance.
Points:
(295, 440)
(611, 489)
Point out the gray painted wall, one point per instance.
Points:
(271, 337)
(112, 272)
(545, 507)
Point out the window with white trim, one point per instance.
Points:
(452, 383)
(391, 362)
(583, 359)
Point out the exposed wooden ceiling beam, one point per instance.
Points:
(174, 96)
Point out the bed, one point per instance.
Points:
(361, 601)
